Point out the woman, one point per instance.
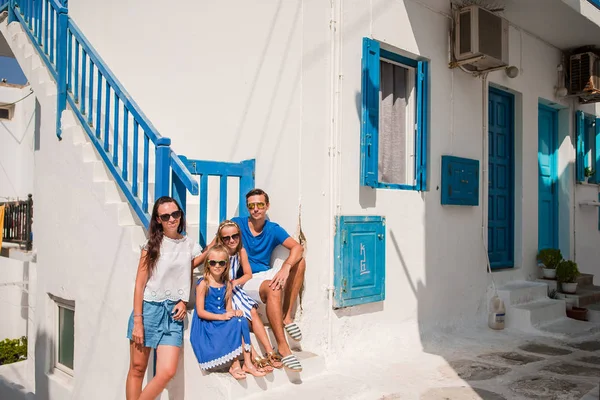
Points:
(162, 286)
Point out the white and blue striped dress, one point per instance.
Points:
(240, 299)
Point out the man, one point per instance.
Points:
(273, 283)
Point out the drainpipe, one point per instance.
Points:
(484, 158)
(334, 133)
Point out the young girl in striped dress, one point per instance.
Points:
(228, 235)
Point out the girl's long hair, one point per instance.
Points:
(225, 224)
(218, 248)
(155, 233)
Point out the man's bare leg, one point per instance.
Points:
(292, 290)
(272, 299)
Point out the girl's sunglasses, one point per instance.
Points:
(175, 214)
(213, 263)
(260, 206)
(226, 239)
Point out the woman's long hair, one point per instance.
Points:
(155, 233)
(225, 224)
(218, 248)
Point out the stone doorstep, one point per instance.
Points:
(584, 297)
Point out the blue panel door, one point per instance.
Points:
(501, 180)
(547, 170)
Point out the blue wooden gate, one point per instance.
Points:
(547, 181)
(501, 179)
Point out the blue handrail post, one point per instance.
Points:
(178, 188)
(246, 184)
(163, 167)
(61, 67)
(11, 11)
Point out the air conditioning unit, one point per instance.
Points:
(584, 73)
(482, 36)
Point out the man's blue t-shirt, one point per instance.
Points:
(260, 247)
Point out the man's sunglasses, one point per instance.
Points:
(175, 214)
(226, 239)
(213, 263)
(260, 206)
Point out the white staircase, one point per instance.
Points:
(529, 309)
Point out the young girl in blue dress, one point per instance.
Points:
(219, 334)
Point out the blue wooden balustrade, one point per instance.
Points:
(224, 170)
(122, 134)
(124, 137)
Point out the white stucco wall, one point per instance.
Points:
(283, 89)
(18, 143)
(13, 298)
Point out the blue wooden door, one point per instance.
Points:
(547, 180)
(501, 180)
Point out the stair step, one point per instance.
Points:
(535, 313)
(585, 280)
(568, 328)
(520, 292)
(584, 296)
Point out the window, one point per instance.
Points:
(588, 146)
(7, 111)
(394, 120)
(595, 3)
(65, 335)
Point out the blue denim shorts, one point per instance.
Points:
(159, 327)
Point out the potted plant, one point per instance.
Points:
(588, 173)
(567, 273)
(549, 258)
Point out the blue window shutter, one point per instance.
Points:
(596, 164)
(421, 129)
(370, 112)
(580, 131)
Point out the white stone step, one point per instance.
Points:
(528, 315)
(568, 328)
(520, 292)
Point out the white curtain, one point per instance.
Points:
(392, 124)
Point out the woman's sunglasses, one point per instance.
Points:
(213, 263)
(226, 239)
(175, 214)
(260, 206)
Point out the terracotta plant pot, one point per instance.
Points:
(549, 273)
(569, 287)
(578, 313)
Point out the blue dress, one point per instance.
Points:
(240, 299)
(218, 342)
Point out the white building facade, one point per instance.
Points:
(356, 118)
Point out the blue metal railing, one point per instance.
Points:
(224, 170)
(3, 5)
(115, 124)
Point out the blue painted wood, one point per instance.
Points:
(69, 58)
(548, 178)
(579, 160)
(179, 192)
(76, 72)
(596, 167)
(106, 116)
(203, 209)
(146, 163)
(460, 181)
(83, 83)
(359, 271)
(595, 3)
(162, 167)
(116, 132)
(91, 95)
(223, 198)
(371, 58)
(61, 96)
(99, 106)
(125, 141)
(134, 149)
(246, 184)
(179, 166)
(3, 5)
(370, 112)
(501, 179)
